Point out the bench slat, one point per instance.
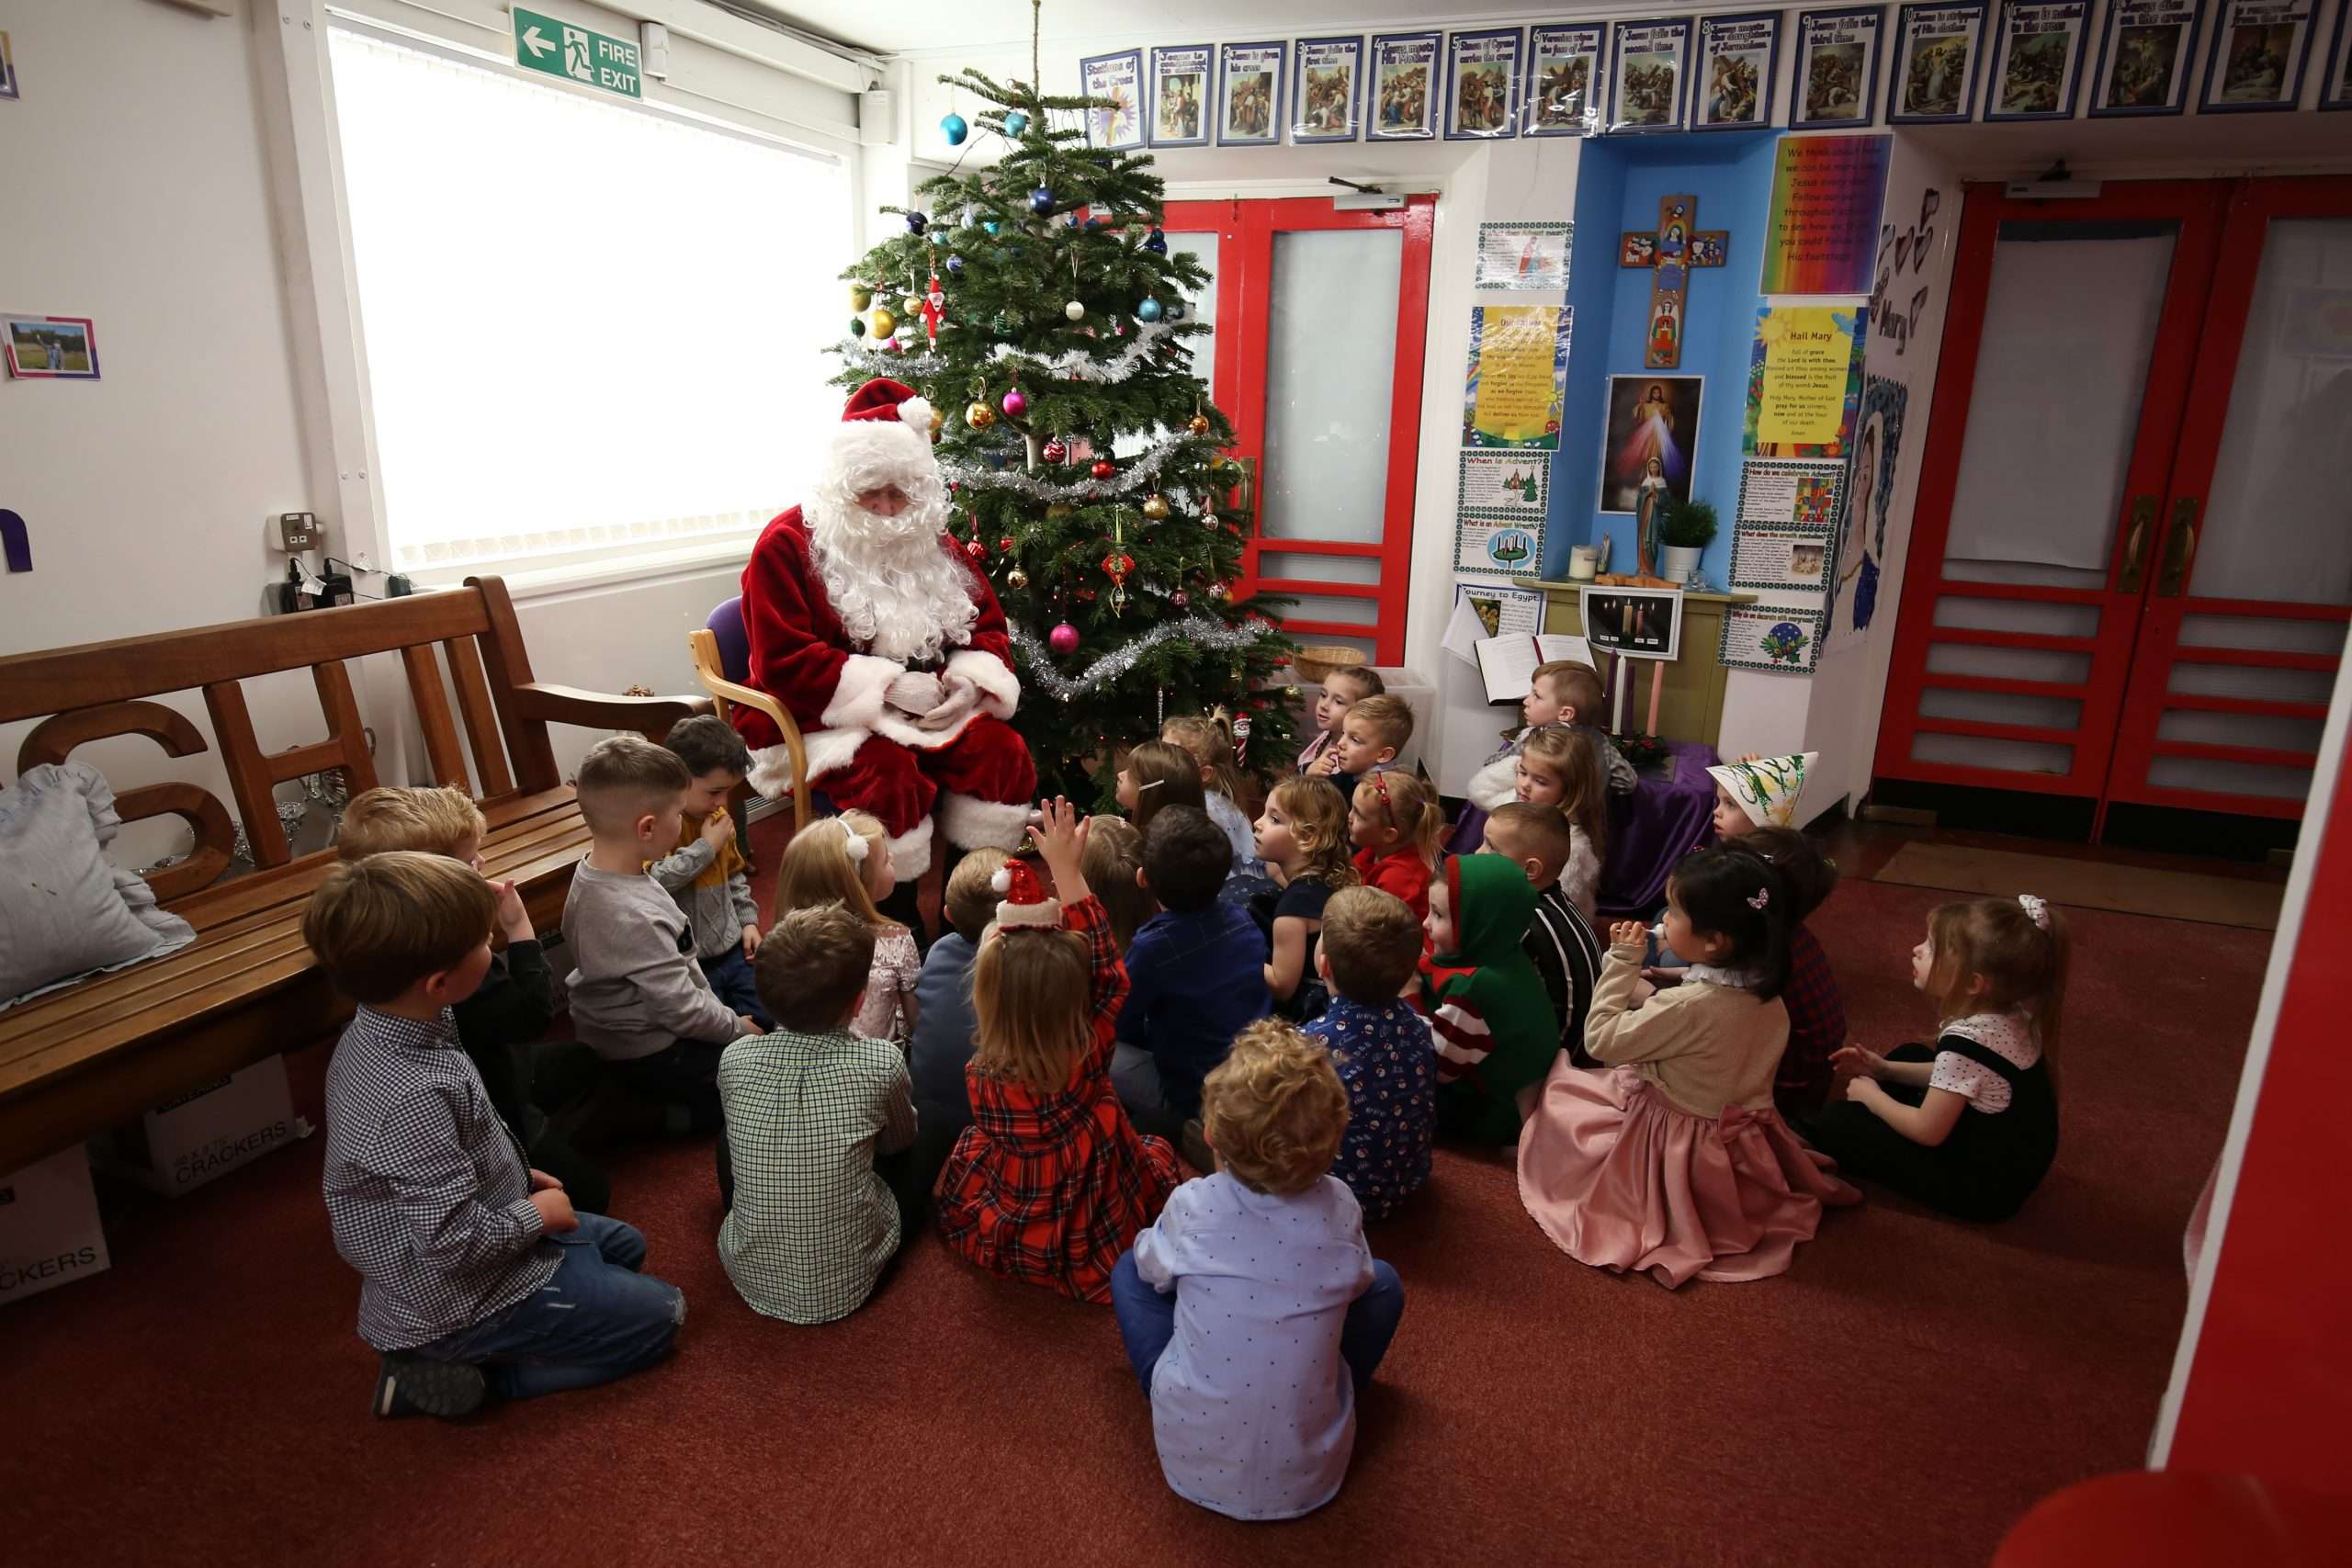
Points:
(480, 715)
(441, 746)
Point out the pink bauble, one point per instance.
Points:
(1017, 403)
(1179, 598)
(1063, 638)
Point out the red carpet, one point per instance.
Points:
(1902, 1396)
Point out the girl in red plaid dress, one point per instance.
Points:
(1050, 1183)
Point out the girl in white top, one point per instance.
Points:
(845, 860)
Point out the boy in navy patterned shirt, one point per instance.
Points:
(1371, 946)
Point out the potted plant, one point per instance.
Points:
(1687, 529)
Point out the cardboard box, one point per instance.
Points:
(50, 1234)
(208, 1131)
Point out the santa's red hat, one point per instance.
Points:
(1024, 902)
(885, 398)
(884, 439)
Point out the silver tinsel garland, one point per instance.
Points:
(1132, 475)
(1080, 366)
(897, 366)
(1118, 661)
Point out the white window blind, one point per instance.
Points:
(592, 330)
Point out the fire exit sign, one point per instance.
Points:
(576, 54)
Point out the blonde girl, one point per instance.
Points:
(1343, 689)
(845, 860)
(1157, 774)
(1051, 1182)
(1114, 855)
(1303, 838)
(1970, 1127)
(1558, 766)
(1208, 740)
(1396, 824)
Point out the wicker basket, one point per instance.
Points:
(1315, 664)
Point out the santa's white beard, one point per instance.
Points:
(899, 596)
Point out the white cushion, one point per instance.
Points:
(65, 912)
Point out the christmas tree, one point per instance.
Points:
(1037, 306)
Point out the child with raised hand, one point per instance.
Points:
(1493, 1023)
(1303, 838)
(816, 1163)
(1380, 1045)
(637, 994)
(1207, 738)
(1556, 768)
(1969, 1127)
(1196, 974)
(1156, 775)
(1372, 735)
(845, 860)
(1341, 690)
(1252, 1311)
(1671, 1159)
(1050, 1182)
(1394, 823)
(1560, 942)
(706, 873)
(478, 1276)
(1113, 860)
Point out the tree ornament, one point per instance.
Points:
(955, 128)
(1041, 200)
(1211, 520)
(1063, 638)
(938, 418)
(1017, 403)
(857, 326)
(976, 550)
(971, 216)
(1059, 510)
(934, 311)
(1086, 596)
(916, 222)
(1055, 451)
(1157, 243)
(1117, 565)
(1103, 469)
(910, 305)
(1175, 310)
(988, 224)
(1007, 544)
(955, 264)
(882, 323)
(1075, 310)
(1016, 580)
(979, 416)
(1180, 599)
(1219, 591)
(1154, 507)
(1015, 122)
(859, 296)
(1148, 310)
(1199, 424)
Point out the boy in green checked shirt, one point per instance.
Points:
(816, 1161)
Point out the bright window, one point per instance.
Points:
(591, 329)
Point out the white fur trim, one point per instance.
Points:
(1495, 785)
(971, 823)
(828, 750)
(857, 699)
(868, 453)
(999, 687)
(1046, 912)
(910, 855)
(771, 772)
(917, 411)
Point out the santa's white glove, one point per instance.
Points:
(914, 692)
(962, 697)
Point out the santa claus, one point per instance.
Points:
(887, 646)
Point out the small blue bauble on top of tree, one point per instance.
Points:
(1147, 311)
(1041, 200)
(954, 127)
(1157, 243)
(916, 222)
(1015, 122)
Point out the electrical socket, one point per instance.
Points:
(297, 531)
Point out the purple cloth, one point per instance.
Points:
(1669, 816)
(1469, 831)
(734, 641)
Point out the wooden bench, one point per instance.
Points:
(78, 1060)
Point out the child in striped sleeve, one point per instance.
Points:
(1496, 1033)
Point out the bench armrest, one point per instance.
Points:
(548, 703)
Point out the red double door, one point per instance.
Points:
(1320, 319)
(2131, 565)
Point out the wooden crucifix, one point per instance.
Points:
(1671, 251)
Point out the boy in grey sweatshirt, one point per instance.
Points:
(638, 996)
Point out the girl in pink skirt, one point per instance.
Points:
(1669, 1157)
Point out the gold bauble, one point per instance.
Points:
(938, 418)
(1154, 507)
(860, 298)
(882, 323)
(1016, 580)
(910, 304)
(1200, 425)
(979, 416)
(1059, 510)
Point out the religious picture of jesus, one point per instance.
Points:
(1650, 442)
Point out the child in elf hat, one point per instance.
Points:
(1495, 1030)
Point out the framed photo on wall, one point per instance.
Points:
(1119, 79)
(1249, 94)
(1651, 438)
(1184, 84)
(1326, 89)
(2146, 54)
(2335, 87)
(1404, 88)
(1635, 623)
(1837, 80)
(2260, 48)
(1481, 85)
(1648, 64)
(2036, 60)
(1738, 56)
(1562, 74)
(1936, 49)
(50, 348)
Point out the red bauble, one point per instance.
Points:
(1179, 598)
(1103, 469)
(976, 550)
(1007, 544)
(1054, 451)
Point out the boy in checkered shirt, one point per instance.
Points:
(477, 1274)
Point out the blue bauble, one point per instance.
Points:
(1041, 200)
(990, 225)
(916, 222)
(954, 127)
(1157, 243)
(955, 264)
(1015, 122)
(1147, 311)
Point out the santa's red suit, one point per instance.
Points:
(887, 646)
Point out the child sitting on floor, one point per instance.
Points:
(845, 860)
(1817, 1007)
(1050, 1182)
(1493, 1024)
(1562, 691)
(1303, 840)
(1341, 690)
(637, 993)
(477, 1274)
(1114, 856)
(1207, 738)
(1394, 823)
(705, 873)
(1556, 768)
(1560, 942)
(514, 1004)
(816, 1161)
(1252, 1311)
(1671, 1158)
(942, 1046)
(1372, 945)
(1195, 971)
(1156, 775)
(1371, 736)
(1972, 1126)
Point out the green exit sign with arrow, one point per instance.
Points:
(576, 54)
